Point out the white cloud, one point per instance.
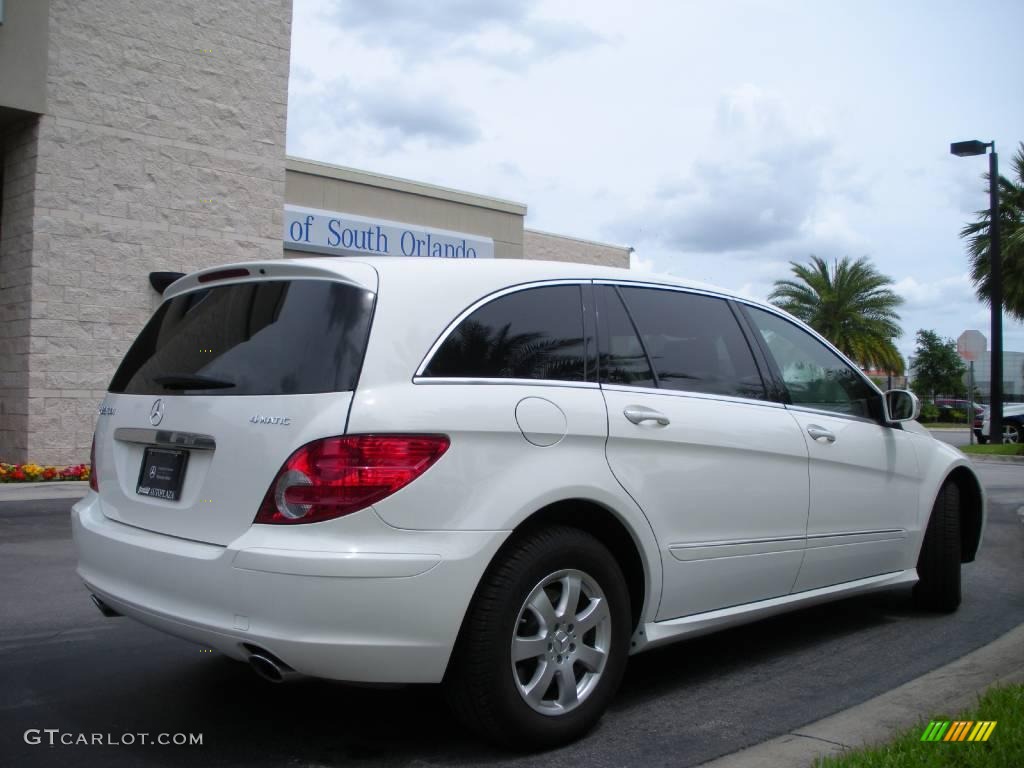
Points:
(762, 181)
(939, 293)
(721, 140)
(639, 263)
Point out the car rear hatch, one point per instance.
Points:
(238, 367)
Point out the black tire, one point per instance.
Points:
(938, 565)
(480, 683)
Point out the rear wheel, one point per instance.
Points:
(938, 565)
(544, 645)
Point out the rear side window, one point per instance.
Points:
(277, 337)
(535, 333)
(693, 342)
(622, 359)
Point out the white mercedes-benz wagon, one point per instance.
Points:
(503, 476)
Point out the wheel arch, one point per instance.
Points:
(608, 528)
(971, 511)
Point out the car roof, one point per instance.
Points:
(504, 272)
(436, 290)
(481, 276)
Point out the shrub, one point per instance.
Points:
(929, 412)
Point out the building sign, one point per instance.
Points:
(345, 234)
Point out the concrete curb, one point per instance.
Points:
(946, 691)
(984, 459)
(61, 489)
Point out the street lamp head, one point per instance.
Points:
(968, 148)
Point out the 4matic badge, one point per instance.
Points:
(283, 421)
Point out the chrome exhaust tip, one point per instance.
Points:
(105, 609)
(271, 669)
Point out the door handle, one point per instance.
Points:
(638, 414)
(820, 433)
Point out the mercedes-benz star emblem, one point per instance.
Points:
(156, 413)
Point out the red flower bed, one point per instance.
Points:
(35, 473)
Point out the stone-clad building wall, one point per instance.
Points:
(162, 148)
(16, 239)
(551, 247)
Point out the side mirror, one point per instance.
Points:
(902, 405)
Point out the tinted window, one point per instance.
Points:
(268, 338)
(694, 342)
(622, 358)
(536, 333)
(813, 374)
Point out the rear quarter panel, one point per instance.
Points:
(492, 478)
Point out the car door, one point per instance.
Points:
(718, 468)
(863, 472)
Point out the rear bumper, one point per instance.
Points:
(353, 599)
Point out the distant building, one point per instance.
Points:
(972, 346)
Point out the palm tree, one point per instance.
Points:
(1011, 221)
(850, 304)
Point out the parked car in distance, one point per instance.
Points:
(502, 476)
(1013, 424)
(947, 406)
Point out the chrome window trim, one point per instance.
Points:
(686, 393)
(663, 286)
(473, 308)
(516, 382)
(834, 414)
(166, 437)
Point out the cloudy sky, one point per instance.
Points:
(720, 139)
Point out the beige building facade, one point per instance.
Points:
(143, 135)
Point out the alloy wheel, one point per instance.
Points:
(560, 642)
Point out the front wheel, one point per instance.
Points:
(544, 645)
(938, 565)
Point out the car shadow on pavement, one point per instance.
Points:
(248, 721)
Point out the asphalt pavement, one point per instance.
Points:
(65, 667)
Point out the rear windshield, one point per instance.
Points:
(278, 337)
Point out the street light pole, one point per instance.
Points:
(968, 149)
(996, 291)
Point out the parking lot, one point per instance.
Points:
(65, 667)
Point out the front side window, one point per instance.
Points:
(814, 375)
(693, 342)
(535, 333)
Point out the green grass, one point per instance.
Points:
(1005, 747)
(946, 424)
(995, 450)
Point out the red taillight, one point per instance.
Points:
(94, 482)
(339, 475)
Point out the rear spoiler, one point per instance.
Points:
(340, 269)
